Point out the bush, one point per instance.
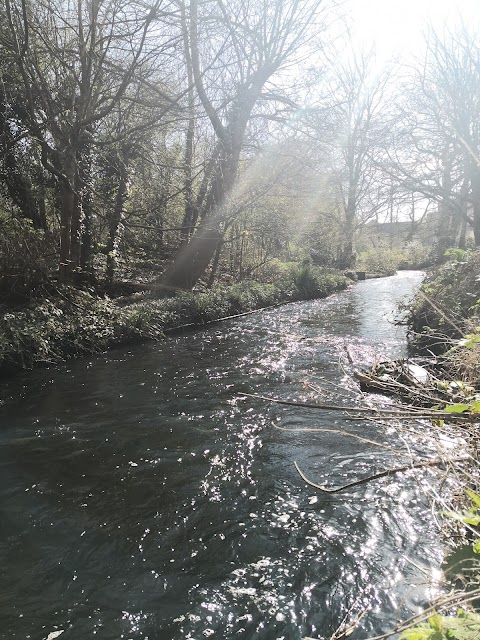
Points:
(445, 317)
(26, 258)
(381, 261)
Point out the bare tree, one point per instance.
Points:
(236, 49)
(350, 125)
(435, 148)
(76, 62)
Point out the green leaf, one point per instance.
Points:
(456, 408)
(465, 626)
(471, 517)
(422, 632)
(475, 406)
(434, 630)
(435, 622)
(476, 547)
(474, 496)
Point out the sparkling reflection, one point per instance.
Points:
(144, 497)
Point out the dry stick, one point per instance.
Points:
(331, 407)
(317, 387)
(440, 312)
(376, 476)
(383, 413)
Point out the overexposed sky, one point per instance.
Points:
(396, 26)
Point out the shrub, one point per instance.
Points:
(26, 258)
(382, 261)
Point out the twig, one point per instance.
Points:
(376, 476)
(440, 312)
(196, 325)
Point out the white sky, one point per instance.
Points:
(396, 26)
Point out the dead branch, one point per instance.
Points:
(387, 472)
(381, 413)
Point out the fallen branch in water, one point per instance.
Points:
(340, 432)
(196, 325)
(411, 412)
(387, 472)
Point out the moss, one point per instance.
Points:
(78, 323)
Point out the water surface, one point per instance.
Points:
(143, 498)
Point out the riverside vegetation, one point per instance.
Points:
(445, 331)
(72, 322)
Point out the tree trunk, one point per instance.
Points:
(347, 257)
(77, 219)
(66, 215)
(475, 194)
(189, 216)
(193, 259)
(458, 226)
(216, 259)
(116, 218)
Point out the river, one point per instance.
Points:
(143, 498)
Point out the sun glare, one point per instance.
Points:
(396, 27)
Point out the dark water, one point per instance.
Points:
(142, 498)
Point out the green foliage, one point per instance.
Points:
(310, 282)
(455, 255)
(464, 626)
(472, 515)
(462, 563)
(456, 408)
(381, 261)
(78, 323)
(454, 289)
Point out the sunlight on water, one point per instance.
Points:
(150, 499)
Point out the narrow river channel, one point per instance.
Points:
(142, 498)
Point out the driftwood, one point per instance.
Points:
(376, 476)
(411, 382)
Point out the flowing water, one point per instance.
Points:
(143, 498)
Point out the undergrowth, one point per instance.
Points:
(76, 322)
(445, 321)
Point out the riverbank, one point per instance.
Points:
(444, 376)
(75, 323)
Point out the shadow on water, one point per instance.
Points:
(143, 498)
